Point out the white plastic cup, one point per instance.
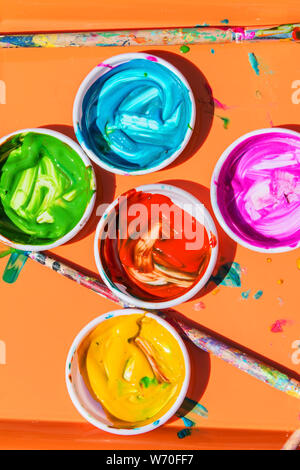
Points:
(183, 199)
(91, 409)
(214, 186)
(88, 211)
(101, 70)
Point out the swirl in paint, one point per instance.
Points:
(149, 256)
(259, 190)
(44, 188)
(136, 115)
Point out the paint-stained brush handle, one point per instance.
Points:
(202, 340)
(152, 37)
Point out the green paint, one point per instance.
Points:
(44, 188)
(184, 49)
(14, 266)
(5, 253)
(226, 122)
(147, 381)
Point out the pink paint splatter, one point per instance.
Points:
(150, 57)
(105, 65)
(220, 105)
(199, 306)
(277, 326)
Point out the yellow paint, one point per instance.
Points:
(119, 375)
(298, 263)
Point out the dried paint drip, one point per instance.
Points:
(149, 257)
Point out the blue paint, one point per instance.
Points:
(246, 294)
(212, 51)
(156, 423)
(229, 274)
(253, 62)
(225, 21)
(258, 294)
(135, 116)
(188, 422)
(191, 406)
(184, 433)
(108, 316)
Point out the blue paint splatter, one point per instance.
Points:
(253, 62)
(108, 316)
(225, 21)
(229, 274)
(212, 51)
(156, 422)
(246, 294)
(188, 422)
(184, 433)
(258, 294)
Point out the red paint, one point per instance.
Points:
(158, 266)
(277, 327)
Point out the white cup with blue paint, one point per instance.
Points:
(134, 114)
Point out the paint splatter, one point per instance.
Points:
(199, 306)
(225, 120)
(225, 21)
(184, 49)
(215, 292)
(258, 294)
(246, 294)
(298, 263)
(269, 260)
(150, 57)
(220, 105)
(229, 274)
(105, 65)
(188, 422)
(212, 51)
(277, 326)
(258, 94)
(184, 433)
(280, 281)
(253, 62)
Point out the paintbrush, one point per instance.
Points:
(154, 37)
(241, 360)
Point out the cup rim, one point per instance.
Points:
(130, 300)
(214, 185)
(90, 206)
(92, 76)
(148, 427)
